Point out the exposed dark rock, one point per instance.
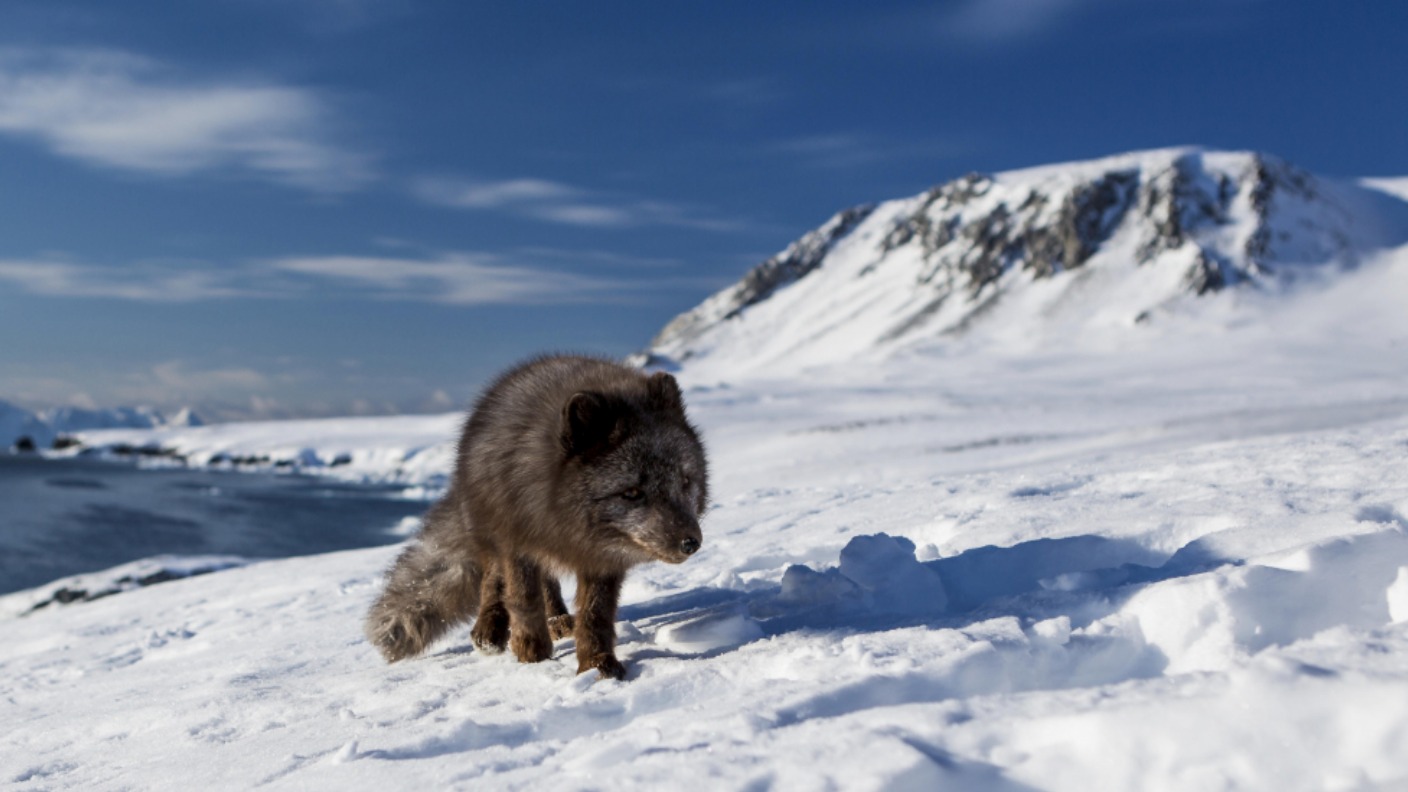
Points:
(250, 460)
(944, 198)
(1088, 216)
(67, 595)
(1178, 201)
(1003, 237)
(1206, 275)
(799, 259)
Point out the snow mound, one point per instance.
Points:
(877, 573)
(1206, 622)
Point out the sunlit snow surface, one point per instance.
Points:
(1173, 559)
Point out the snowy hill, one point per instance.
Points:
(44, 427)
(68, 420)
(16, 422)
(1035, 256)
(403, 449)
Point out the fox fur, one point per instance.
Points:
(566, 465)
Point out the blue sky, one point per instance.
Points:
(301, 207)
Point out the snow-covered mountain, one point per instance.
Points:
(1051, 252)
(43, 427)
(77, 419)
(17, 422)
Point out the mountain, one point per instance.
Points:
(44, 427)
(77, 419)
(16, 422)
(1036, 254)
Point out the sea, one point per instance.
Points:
(69, 516)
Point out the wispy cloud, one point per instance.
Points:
(556, 202)
(455, 278)
(496, 194)
(852, 150)
(1007, 20)
(123, 111)
(179, 377)
(143, 282)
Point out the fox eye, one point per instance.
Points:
(632, 494)
(687, 481)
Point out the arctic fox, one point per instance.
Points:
(566, 464)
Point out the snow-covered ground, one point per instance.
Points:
(403, 449)
(1171, 558)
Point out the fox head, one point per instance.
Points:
(640, 467)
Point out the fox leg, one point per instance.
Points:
(523, 594)
(559, 620)
(490, 633)
(597, 596)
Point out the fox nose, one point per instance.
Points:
(688, 546)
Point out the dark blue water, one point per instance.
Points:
(65, 517)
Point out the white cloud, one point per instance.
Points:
(560, 203)
(529, 277)
(493, 194)
(145, 283)
(589, 215)
(176, 377)
(849, 150)
(459, 279)
(1007, 20)
(122, 111)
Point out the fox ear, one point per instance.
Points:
(664, 393)
(588, 421)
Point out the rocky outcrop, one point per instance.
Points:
(792, 264)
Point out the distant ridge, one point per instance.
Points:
(44, 427)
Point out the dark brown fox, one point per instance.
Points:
(566, 464)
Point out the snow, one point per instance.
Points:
(1165, 556)
(1395, 186)
(115, 580)
(405, 449)
(1176, 564)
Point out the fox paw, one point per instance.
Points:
(490, 636)
(531, 648)
(606, 664)
(560, 627)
